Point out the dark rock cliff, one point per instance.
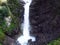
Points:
(44, 19)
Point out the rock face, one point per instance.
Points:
(8, 41)
(44, 19)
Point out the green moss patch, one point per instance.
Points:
(55, 42)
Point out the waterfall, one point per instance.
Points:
(23, 39)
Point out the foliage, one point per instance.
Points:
(15, 7)
(0, 44)
(2, 35)
(55, 42)
(11, 8)
(6, 10)
(3, 13)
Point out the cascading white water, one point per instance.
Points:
(23, 40)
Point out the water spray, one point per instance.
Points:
(23, 40)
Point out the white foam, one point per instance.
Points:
(23, 40)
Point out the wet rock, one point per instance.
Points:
(44, 19)
(8, 41)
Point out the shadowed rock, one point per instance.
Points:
(44, 19)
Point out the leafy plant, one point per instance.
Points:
(2, 35)
(55, 42)
(11, 8)
(0, 43)
(15, 7)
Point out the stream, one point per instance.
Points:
(23, 39)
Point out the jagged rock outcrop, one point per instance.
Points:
(44, 19)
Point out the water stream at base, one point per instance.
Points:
(23, 39)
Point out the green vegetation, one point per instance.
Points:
(55, 42)
(2, 35)
(3, 13)
(15, 7)
(10, 8)
(0, 44)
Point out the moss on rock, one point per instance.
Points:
(55, 42)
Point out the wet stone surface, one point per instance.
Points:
(44, 19)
